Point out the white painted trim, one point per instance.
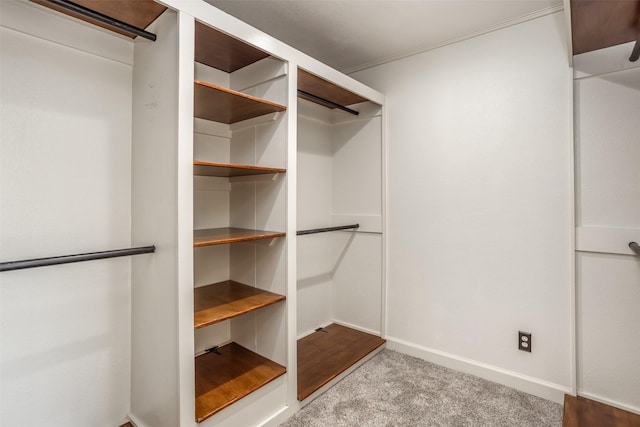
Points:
(612, 240)
(291, 242)
(573, 331)
(569, 31)
(124, 421)
(604, 61)
(282, 416)
(385, 223)
(184, 238)
(356, 327)
(279, 417)
(527, 384)
(522, 19)
(610, 402)
(136, 422)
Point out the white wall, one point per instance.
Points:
(480, 204)
(65, 189)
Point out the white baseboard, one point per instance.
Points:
(610, 402)
(537, 387)
(133, 420)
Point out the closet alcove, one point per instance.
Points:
(339, 182)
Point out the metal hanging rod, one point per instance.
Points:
(635, 53)
(635, 247)
(66, 259)
(326, 102)
(324, 230)
(107, 20)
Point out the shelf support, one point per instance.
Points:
(66, 259)
(324, 230)
(635, 248)
(325, 102)
(104, 19)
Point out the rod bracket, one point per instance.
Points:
(215, 349)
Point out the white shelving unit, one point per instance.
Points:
(226, 165)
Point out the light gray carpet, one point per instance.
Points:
(393, 389)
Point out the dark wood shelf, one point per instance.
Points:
(225, 378)
(221, 236)
(221, 51)
(221, 301)
(201, 168)
(219, 104)
(138, 13)
(322, 356)
(322, 88)
(600, 24)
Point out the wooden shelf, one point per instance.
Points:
(219, 104)
(225, 378)
(322, 356)
(224, 300)
(221, 236)
(201, 168)
(138, 13)
(223, 52)
(321, 88)
(600, 24)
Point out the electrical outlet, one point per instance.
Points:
(524, 341)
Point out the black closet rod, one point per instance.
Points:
(635, 53)
(635, 247)
(66, 259)
(324, 230)
(97, 16)
(326, 102)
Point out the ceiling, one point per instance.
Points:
(354, 34)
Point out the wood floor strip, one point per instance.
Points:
(322, 356)
(582, 412)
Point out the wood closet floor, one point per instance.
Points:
(581, 412)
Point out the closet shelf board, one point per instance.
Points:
(225, 378)
(314, 85)
(322, 356)
(221, 51)
(221, 236)
(201, 168)
(219, 104)
(221, 301)
(138, 13)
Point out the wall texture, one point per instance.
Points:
(480, 204)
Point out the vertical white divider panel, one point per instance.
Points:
(291, 228)
(186, 365)
(162, 299)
